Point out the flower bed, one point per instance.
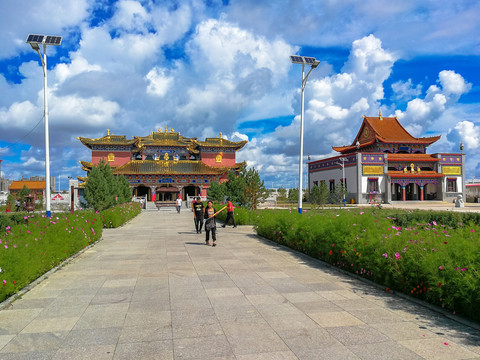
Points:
(432, 261)
(35, 244)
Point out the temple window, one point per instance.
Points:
(451, 185)
(315, 183)
(110, 157)
(372, 185)
(332, 185)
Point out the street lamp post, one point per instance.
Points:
(342, 164)
(35, 41)
(303, 60)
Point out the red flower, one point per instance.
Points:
(330, 252)
(440, 284)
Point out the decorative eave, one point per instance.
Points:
(107, 140)
(408, 174)
(166, 138)
(412, 157)
(169, 167)
(222, 143)
(86, 164)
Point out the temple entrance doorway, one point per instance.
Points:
(167, 193)
(142, 190)
(412, 192)
(191, 190)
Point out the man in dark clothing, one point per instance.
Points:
(198, 214)
(229, 214)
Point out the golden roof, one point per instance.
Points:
(158, 138)
(107, 140)
(169, 167)
(221, 142)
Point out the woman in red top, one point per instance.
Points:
(229, 214)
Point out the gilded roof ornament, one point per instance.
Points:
(171, 130)
(166, 128)
(380, 115)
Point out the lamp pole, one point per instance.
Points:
(303, 60)
(35, 41)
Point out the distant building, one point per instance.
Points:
(473, 190)
(386, 163)
(37, 188)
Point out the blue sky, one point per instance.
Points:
(205, 67)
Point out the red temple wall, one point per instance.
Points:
(210, 159)
(121, 157)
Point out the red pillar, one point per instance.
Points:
(421, 193)
(404, 194)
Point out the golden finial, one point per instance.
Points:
(108, 132)
(364, 116)
(159, 130)
(171, 130)
(221, 135)
(380, 114)
(166, 128)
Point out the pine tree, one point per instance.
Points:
(103, 189)
(255, 191)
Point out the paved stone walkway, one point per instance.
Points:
(153, 290)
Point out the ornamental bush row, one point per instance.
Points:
(36, 244)
(435, 260)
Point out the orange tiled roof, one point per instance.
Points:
(411, 157)
(32, 185)
(386, 130)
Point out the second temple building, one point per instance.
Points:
(386, 163)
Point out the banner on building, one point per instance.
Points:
(452, 170)
(373, 170)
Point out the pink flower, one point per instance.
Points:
(4, 282)
(434, 223)
(472, 231)
(7, 228)
(464, 269)
(397, 256)
(385, 255)
(441, 268)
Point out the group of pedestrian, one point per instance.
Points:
(207, 215)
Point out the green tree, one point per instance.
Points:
(336, 196)
(293, 195)
(319, 195)
(282, 193)
(216, 191)
(255, 191)
(23, 193)
(103, 189)
(236, 185)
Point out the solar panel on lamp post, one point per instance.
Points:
(303, 60)
(35, 41)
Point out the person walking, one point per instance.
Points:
(229, 214)
(179, 204)
(210, 224)
(198, 211)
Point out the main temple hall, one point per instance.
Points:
(165, 165)
(386, 163)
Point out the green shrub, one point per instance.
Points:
(120, 214)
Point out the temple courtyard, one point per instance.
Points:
(152, 290)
